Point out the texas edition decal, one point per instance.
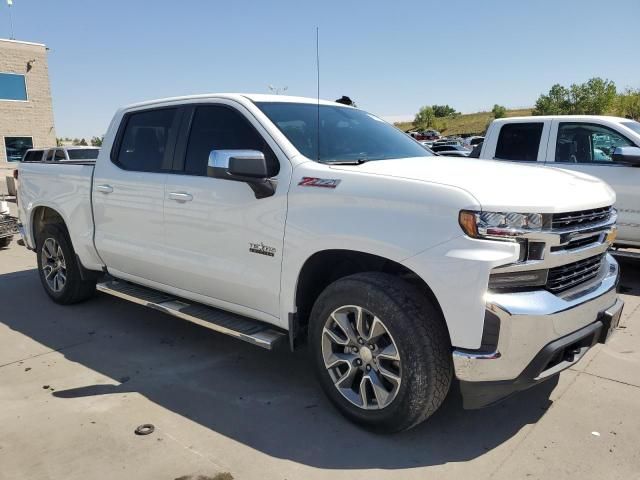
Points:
(262, 249)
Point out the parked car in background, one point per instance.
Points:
(605, 147)
(470, 142)
(61, 154)
(400, 269)
(425, 135)
(34, 155)
(8, 224)
(450, 150)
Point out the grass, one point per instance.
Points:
(468, 124)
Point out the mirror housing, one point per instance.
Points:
(248, 166)
(627, 155)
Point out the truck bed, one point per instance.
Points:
(66, 188)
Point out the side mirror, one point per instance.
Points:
(248, 166)
(627, 155)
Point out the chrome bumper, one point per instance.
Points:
(531, 320)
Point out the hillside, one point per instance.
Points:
(471, 123)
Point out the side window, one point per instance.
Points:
(219, 127)
(59, 156)
(145, 140)
(49, 157)
(519, 141)
(587, 143)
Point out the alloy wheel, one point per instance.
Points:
(54, 266)
(361, 357)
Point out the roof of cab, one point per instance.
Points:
(254, 97)
(563, 117)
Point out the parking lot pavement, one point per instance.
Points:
(76, 381)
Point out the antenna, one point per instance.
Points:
(318, 85)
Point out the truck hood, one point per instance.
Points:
(499, 185)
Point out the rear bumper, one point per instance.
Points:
(540, 334)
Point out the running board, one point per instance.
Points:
(237, 326)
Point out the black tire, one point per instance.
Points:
(421, 338)
(4, 242)
(75, 289)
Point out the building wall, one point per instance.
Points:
(33, 118)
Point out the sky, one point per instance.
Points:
(391, 57)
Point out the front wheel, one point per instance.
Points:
(59, 269)
(381, 351)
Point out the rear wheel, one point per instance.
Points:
(381, 351)
(59, 269)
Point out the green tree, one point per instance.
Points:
(628, 104)
(594, 97)
(498, 111)
(83, 143)
(96, 141)
(59, 142)
(424, 118)
(441, 111)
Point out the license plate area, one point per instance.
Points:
(610, 320)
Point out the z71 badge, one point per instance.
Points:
(262, 249)
(319, 182)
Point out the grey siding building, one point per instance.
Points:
(26, 110)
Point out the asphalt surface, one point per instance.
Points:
(76, 381)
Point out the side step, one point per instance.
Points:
(252, 331)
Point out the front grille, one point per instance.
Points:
(583, 218)
(573, 274)
(573, 244)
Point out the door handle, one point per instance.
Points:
(180, 196)
(104, 188)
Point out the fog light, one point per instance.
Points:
(532, 278)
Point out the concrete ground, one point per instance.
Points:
(76, 381)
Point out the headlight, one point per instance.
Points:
(499, 225)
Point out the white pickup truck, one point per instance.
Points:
(605, 147)
(284, 220)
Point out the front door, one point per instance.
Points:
(588, 148)
(221, 241)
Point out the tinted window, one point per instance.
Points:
(83, 153)
(519, 141)
(344, 133)
(587, 143)
(145, 140)
(33, 156)
(222, 128)
(15, 147)
(59, 156)
(49, 156)
(12, 87)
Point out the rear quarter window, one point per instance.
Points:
(519, 141)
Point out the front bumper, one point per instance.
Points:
(540, 334)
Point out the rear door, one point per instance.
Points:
(221, 241)
(588, 147)
(128, 193)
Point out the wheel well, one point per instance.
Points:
(45, 216)
(325, 267)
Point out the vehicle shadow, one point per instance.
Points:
(630, 276)
(269, 401)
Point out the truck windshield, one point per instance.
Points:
(635, 126)
(345, 134)
(83, 153)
